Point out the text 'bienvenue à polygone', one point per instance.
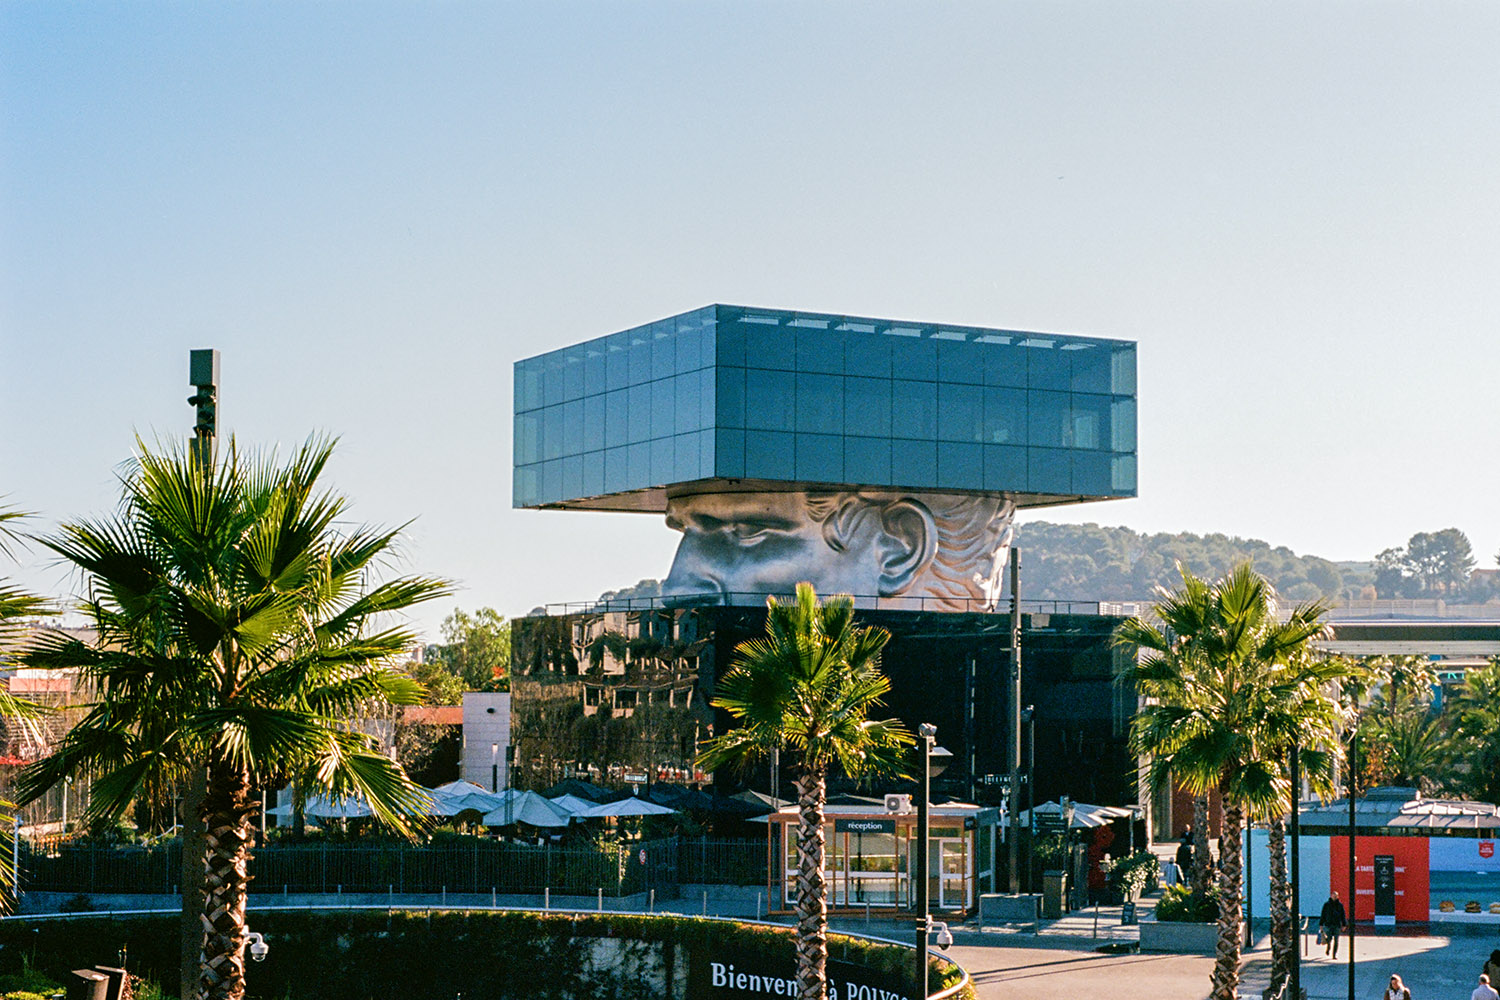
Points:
(725, 977)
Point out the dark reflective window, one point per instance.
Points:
(729, 341)
(1049, 470)
(1091, 368)
(552, 432)
(913, 410)
(616, 470)
(867, 355)
(706, 402)
(573, 374)
(960, 361)
(552, 379)
(769, 455)
(820, 403)
(770, 400)
(684, 458)
(593, 474)
(1047, 367)
(730, 399)
(1005, 364)
(685, 402)
(1005, 468)
(729, 453)
(706, 454)
(913, 463)
(640, 355)
(663, 348)
(867, 406)
(960, 466)
(572, 476)
(616, 418)
(1122, 474)
(913, 357)
(768, 346)
(663, 409)
(663, 455)
(1091, 472)
(617, 361)
(528, 385)
(594, 370)
(688, 343)
(638, 460)
(572, 426)
(867, 461)
(960, 413)
(1046, 418)
(639, 427)
(1090, 426)
(820, 457)
(593, 423)
(819, 348)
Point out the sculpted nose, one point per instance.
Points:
(690, 582)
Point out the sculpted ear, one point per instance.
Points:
(908, 545)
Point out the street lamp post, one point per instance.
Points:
(1028, 716)
(494, 767)
(933, 760)
(1353, 896)
(1296, 769)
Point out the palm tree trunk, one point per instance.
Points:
(227, 810)
(1226, 979)
(1202, 874)
(1283, 940)
(812, 904)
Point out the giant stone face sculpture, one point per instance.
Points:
(938, 552)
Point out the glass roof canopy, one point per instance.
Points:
(728, 398)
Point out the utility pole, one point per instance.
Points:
(1014, 724)
(203, 376)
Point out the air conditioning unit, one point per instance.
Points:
(898, 803)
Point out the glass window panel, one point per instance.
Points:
(1091, 473)
(960, 413)
(1005, 416)
(707, 335)
(528, 385)
(769, 455)
(593, 423)
(820, 403)
(729, 400)
(705, 377)
(1047, 418)
(867, 354)
(685, 406)
(616, 470)
(1122, 370)
(684, 458)
(552, 432)
(638, 461)
(1090, 424)
(1091, 368)
(1122, 474)
(528, 444)
(593, 474)
(526, 485)
(573, 373)
(552, 380)
(663, 348)
(640, 355)
(688, 343)
(820, 457)
(819, 349)
(913, 463)
(960, 361)
(663, 408)
(867, 406)
(729, 341)
(594, 380)
(770, 400)
(551, 481)
(572, 442)
(960, 465)
(616, 418)
(663, 455)
(913, 357)
(1004, 467)
(1122, 424)
(913, 410)
(617, 361)
(639, 428)
(572, 477)
(706, 454)
(1049, 470)
(867, 461)
(729, 453)
(768, 346)
(1005, 364)
(1047, 368)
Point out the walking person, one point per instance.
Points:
(1331, 924)
(1484, 991)
(1397, 990)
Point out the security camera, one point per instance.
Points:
(258, 946)
(944, 936)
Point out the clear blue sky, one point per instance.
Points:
(373, 209)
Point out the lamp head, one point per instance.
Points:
(927, 730)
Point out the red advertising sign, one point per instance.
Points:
(1409, 873)
(1486, 848)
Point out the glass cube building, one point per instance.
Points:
(732, 398)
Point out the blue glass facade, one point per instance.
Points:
(800, 399)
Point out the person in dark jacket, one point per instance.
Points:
(1331, 921)
(1185, 857)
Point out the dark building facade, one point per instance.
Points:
(622, 696)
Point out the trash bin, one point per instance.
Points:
(1054, 894)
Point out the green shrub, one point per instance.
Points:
(1180, 904)
(1132, 874)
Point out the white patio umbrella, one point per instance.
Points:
(322, 807)
(573, 805)
(627, 807)
(525, 807)
(460, 796)
(1085, 816)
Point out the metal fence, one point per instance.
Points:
(475, 865)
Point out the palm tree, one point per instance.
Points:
(16, 606)
(1477, 707)
(807, 688)
(236, 634)
(1208, 685)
